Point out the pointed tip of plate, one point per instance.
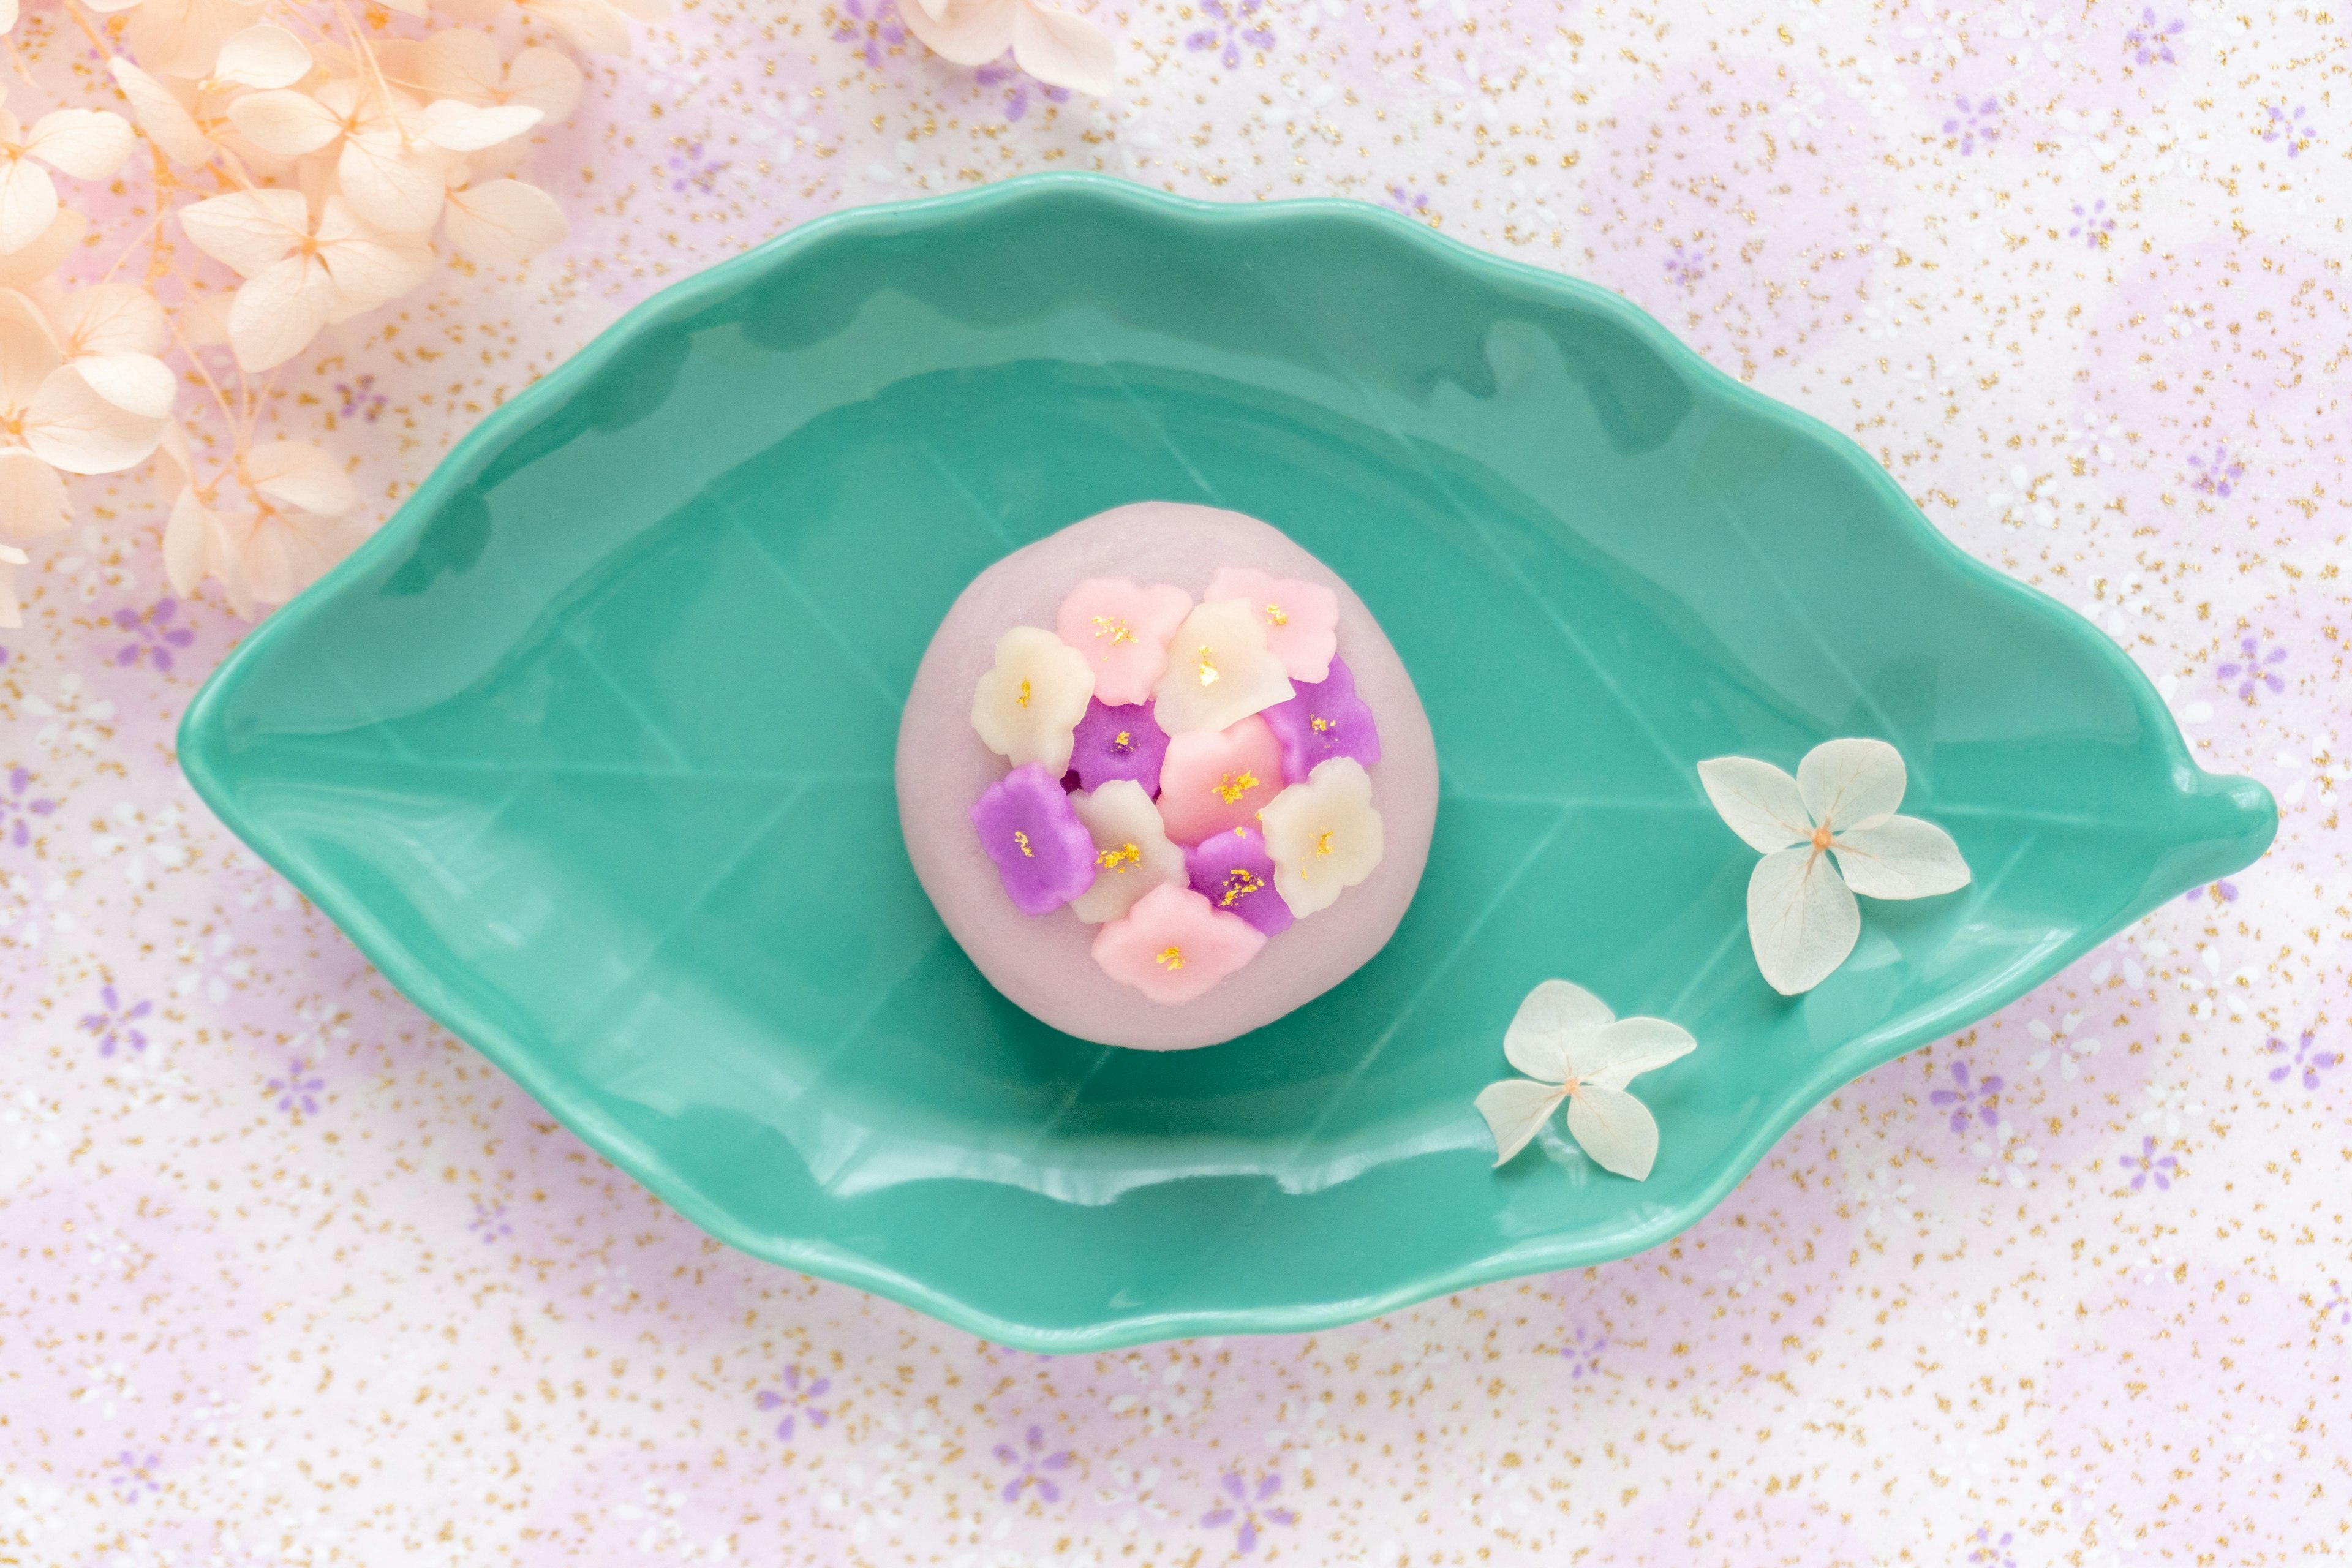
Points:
(2227, 825)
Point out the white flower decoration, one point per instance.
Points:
(1027, 708)
(1133, 854)
(1220, 670)
(1575, 1049)
(1826, 835)
(1324, 835)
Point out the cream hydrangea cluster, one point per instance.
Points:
(1188, 776)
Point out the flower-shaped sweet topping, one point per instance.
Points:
(1173, 945)
(1118, 743)
(1577, 1050)
(1220, 670)
(1132, 855)
(1123, 630)
(1325, 719)
(1218, 779)
(1837, 815)
(1029, 828)
(1028, 708)
(1301, 619)
(1234, 872)
(1324, 835)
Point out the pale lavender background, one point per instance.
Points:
(292, 1277)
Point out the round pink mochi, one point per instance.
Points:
(1044, 962)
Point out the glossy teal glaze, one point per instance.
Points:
(589, 750)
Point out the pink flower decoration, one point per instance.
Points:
(1174, 947)
(1213, 781)
(1123, 630)
(1301, 619)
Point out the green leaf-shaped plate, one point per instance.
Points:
(590, 748)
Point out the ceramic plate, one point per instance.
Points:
(589, 750)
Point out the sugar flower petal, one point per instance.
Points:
(1324, 720)
(1324, 836)
(1220, 670)
(1132, 854)
(1234, 872)
(1554, 1020)
(1760, 803)
(1901, 858)
(1123, 630)
(1515, 1111)
(1043, 852)
(1301, 618)
(1118, 743)
(1172, 946)
(1851, 784)
(1028, 708)
(1801, 920)
(1616, 1129)
(1216, 779)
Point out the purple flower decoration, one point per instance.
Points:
(295, 1089)
(2152, 43)
(1232, 30)
(1412, 203)
(14, 808)
(2222, 892)
(2150, 1167)
(2337, 1304)
(2092, 224)
(689, 166)
(1118, 743)
(112, 1027)
(361, 399)
(132, 1477)
(1966, 1097)
(798, 1400)
(1686, 267)
(2255, 669)
(152, 635)
(2289, 126)
(1030, 1467)
(2216, 478)
(1583, 1354)
(2312, 1063)
(1992, 1554)
(877, 23)
(1245, 1513)
(1973, 120)
(1235, 873)
(489, 1221)
(1324, 720)
(1018, 84)
(1029, 828)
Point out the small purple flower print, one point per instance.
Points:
(2150, 1167)
(1030, 1468)
(1233, 30)
(874, 25)
(1412, 203)
(1686, 267)
(2222, 892)
(1991, 1553)
(134, 1477)
(295, 1089)
(113, 1025)
(489, 1221)
(2254, 669)
(360, 400)
(2092, 224)
(1968, 1096)
(1974, 120)
(2337, 1305)
(14, 808)
(2310, 1062)
(688, 166)
(2216, 478)
(1246, 1512)
(152, 635)
(2150, 41)
(2287, 127)
(798, 1399)
(1018, 84)
(1584, 1352)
